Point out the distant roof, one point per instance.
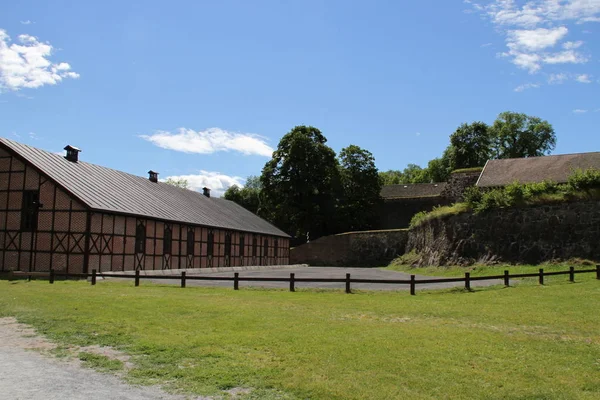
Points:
(105, 189)
(536, 169)
(413, 190)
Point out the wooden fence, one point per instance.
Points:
(292, 280)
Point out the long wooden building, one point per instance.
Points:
(59, 212)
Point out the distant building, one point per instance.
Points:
(402, 202)
(556, 168)
(62, 213)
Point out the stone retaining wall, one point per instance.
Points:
(352, 249)
(517, 235)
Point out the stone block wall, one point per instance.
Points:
(352, 249)
(458, 183)
(515, 235)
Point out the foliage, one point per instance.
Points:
(512, 135)
(361, 189)
(585, 179)
(438, 212)
(471, 144)
(328, 345)
(463, 170)
(517, 135)
(582, 185)
(301, 184)
(179, 182)
(248, 196)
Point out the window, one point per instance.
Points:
(211, 243)
(242, 245)
(275, 247)
(266, 248)
(140, 239)
(191, 239)
(167, 240)
(228, 243)
(29, 210)
(254, 246)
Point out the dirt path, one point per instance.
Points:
(28, 372)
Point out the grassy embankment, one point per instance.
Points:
(524, 342)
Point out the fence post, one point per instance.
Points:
(468, 281)
(292, 282)
(412, 285)
(236, 281)
(506, 277)
(137, 277)
(51, 278)
(348, 284)
(541, 276)
(183, 279)
(598, 272)
(93, 277)
(572, 274)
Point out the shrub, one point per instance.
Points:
(473, 196)
(585, 179)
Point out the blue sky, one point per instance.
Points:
(205, 89)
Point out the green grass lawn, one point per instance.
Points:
(526, 342)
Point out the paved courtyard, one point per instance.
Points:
(319, 272)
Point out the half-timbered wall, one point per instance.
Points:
(113, 246)
(58, 238)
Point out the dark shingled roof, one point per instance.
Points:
(413, 190)
(105, 189)
(536, 169)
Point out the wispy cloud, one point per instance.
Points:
(26, 65)
(217, 182)
(534, 29)
(27, 22)
(579, 111)
(558, 78)
(583, 78)
(211, 140)
(486, 45)
(526, 86)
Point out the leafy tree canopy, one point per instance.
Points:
(301, 184)
(518, 135)
(247, 196)
(361, 188)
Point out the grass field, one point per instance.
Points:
(526, 342)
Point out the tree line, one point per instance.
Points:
(512, 135)
(308, 190)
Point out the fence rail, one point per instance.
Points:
(292, 279)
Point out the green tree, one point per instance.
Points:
(517, 135)
(471, 146)
(361, 189)
(179, 182)
(391, 177)
(247, 196)
(301, 184)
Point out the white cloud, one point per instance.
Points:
(27, 22)
(486, 45)
(565, 57)
(526, 86)
(579, 111)
(572, 45)
(557, 78)
(26, 65)
(209, 141)
(217, 183)
(583, 78)
(418, 134)
(536, 39)
(534, 28)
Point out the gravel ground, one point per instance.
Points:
(27, 374)
(319, 272)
